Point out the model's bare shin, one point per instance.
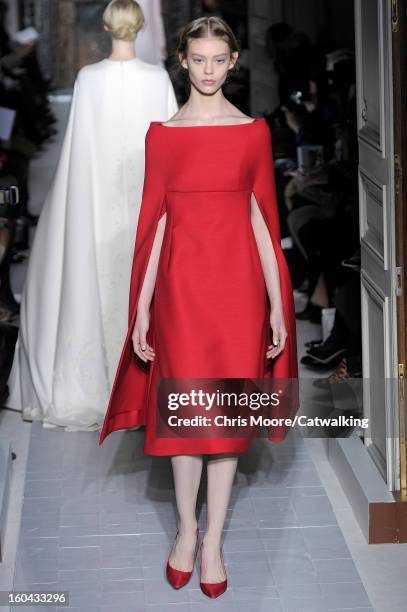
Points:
(221, 473)
(187, 471)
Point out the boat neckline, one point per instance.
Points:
(180, 127)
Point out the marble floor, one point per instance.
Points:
(99, 521)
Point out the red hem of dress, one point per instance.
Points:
(197, 446)
(123, 420)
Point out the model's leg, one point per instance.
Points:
(187, 470)
(221, 473)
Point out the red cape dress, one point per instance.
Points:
(209, 315)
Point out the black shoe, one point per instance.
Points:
(326, 358)
(311, 363)
(329, 351)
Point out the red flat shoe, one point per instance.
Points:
(213, 589)
(179, 578)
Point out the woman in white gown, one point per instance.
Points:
(74, 306)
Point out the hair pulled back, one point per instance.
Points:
(123, 19)
(204, 27)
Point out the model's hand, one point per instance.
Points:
(279, 333)
(140, 346)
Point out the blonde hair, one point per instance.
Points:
(123, 18)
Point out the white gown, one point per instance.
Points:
(74, 308)
(151, 39)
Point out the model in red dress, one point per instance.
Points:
(210, 288)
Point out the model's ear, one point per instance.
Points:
(182, 60)
(106, 28)
(233, 59)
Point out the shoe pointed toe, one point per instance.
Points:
(179, 578)
(214, 589)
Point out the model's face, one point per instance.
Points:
(208, 61)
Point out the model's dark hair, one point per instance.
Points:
(204, 27)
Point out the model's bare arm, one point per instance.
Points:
(143, 307)
(271, 277)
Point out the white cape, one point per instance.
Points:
(74, 310)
